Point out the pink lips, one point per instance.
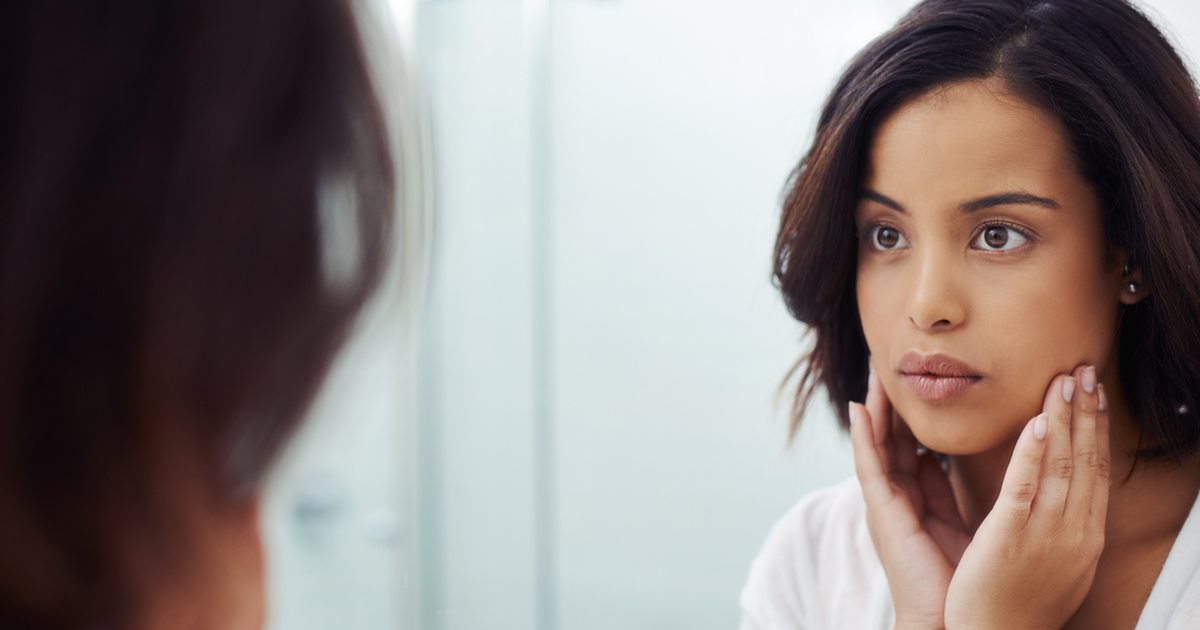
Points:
(937, 377)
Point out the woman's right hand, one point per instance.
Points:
(911, 514)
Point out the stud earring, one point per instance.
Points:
(1133, 287)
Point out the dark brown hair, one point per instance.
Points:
(1133, 116)
(167, 310)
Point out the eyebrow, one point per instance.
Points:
(990, 201)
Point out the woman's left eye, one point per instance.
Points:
(999, 238)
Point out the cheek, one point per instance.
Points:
(1048, 320)
(1028, 334)
(1025, 324)
(1044, 324)
(880, 300)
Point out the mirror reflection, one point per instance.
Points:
(593, 314)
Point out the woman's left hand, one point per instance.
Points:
(1032, 560)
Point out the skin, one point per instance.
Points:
(1022, 531)
(224, 584)
(215, 576)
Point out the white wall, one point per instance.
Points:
(674, 127)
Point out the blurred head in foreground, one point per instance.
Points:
(195, 203)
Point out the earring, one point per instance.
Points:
(1133, 287)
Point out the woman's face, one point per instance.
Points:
(982, 268)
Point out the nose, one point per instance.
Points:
(937, 302)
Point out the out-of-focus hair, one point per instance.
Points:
(195, 203)
(1133, 116)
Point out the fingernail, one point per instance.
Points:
(1088, 379)
(1039, 426)
(1103, 405)
(1068, 388)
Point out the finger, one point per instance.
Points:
(1084, 444)
(867, 465)
(887, 507)
(1100, 489)
(879, 408)
(905, 446)
(939, 497)
(1058, 462)
(1023, 479)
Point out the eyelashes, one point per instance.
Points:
(999, 237)
(993, 236)
(884, 237)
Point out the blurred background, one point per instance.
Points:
(581, 429)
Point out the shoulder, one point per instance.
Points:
(827, 527)
(826, 512)
(1174, 602)
(818, 568)
(836, 515)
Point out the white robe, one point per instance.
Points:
(818, 570)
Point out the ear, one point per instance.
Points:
(1130, 289)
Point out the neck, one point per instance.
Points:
(222, 581)
(976, 481)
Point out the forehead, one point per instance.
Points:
(965, 140)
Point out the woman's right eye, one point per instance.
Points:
(884, 237)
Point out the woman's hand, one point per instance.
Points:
(911, 514)
(1033, 558)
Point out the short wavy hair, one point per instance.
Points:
(1133, 116)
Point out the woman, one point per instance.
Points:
(993, 240)
(195, 203)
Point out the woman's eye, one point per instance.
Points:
(884, 237)
(998, 238)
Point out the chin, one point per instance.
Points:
(958, 431)
(956, 447)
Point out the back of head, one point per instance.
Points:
(171, 173)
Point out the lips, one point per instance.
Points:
(937, 377)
